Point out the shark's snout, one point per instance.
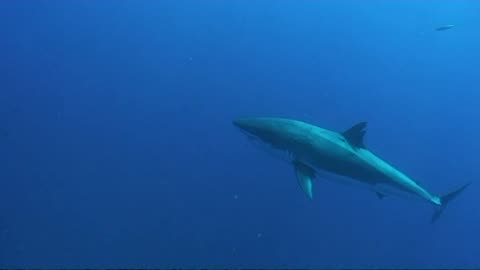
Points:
(240, 123)
(250, 126)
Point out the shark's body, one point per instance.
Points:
(316, 149)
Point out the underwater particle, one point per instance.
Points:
(20, 248)
(235, 197)
(259, 235)
(4, 133)
(444, 27)
(190, 58)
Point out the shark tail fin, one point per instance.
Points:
(445, 199)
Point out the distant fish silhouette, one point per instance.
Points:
(445, 27)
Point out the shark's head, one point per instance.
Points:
(260, 128)
(266, 133)
(249, 125)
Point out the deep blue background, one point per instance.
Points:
(117, 148)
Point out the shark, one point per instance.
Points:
(444, 27)
(313, 150)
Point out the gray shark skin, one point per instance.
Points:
(316, 149)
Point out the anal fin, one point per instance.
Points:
(305, 175)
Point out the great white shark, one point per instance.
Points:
(313, 149)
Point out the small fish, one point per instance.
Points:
(445, 27)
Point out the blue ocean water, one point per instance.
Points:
(117, 147)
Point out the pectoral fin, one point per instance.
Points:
(305, 175)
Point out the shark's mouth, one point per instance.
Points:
(274, 151)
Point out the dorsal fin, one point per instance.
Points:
(355, 134)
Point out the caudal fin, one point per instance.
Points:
(445, 199)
